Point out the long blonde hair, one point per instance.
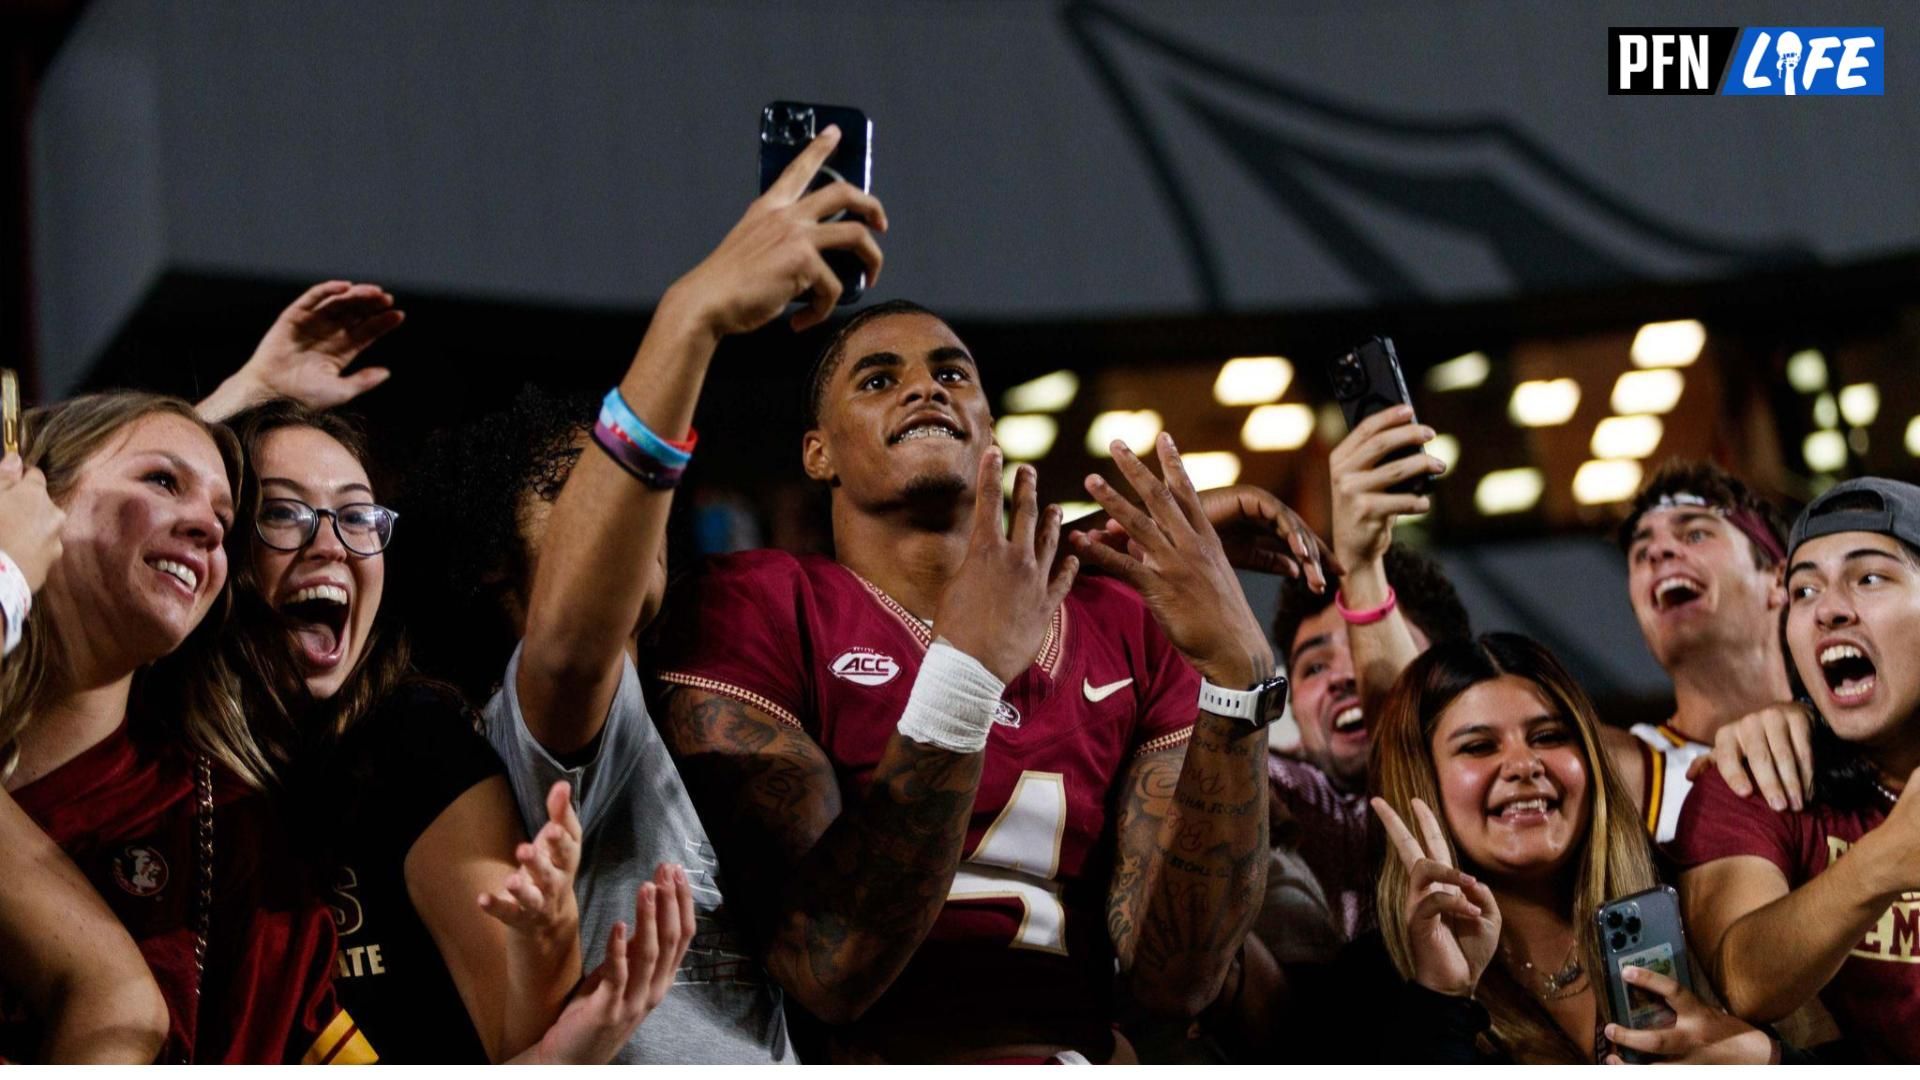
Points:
(189, 693)
(1613, 859)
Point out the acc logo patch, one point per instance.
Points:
(140, 870)
(868, 667)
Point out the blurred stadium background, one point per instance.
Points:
(1140, 215)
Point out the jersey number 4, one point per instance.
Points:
(1018, 857)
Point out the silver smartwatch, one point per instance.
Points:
(1255, 707)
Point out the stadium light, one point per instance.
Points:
(1508, 491)
(1826, 413)
(1544, 402)
(1860, 403)
(1212, 469)
(1025, 436)
(1913, 436)
(1600, 482)
(1639, 392)
(1668, 344)
(1277, 427)
(1825, 451)
(1807, 371)
(1459, 373)
(1626, 437)
(1252, 380)
(1048, 393)
(1446, 448)
(1137, 429)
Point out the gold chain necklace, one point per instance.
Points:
(1553, 986)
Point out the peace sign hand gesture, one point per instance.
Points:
(1452, 919)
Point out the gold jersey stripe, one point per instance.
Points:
(340, 1043)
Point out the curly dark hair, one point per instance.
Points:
(1714, 484)
(836, 349)
(1424, 594)
(467, 563)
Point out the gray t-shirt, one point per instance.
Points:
(634, 814)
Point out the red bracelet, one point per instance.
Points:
(693, 439)
(1368, 617)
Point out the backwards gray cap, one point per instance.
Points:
(1877, 505)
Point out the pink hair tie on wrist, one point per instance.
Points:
(1369, 616)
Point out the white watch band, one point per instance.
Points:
(1239, 704)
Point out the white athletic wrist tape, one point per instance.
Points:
(16, 599)
(952, 703)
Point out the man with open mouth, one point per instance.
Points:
(1825, 900)
(1704, 562)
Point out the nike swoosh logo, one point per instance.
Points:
(1102, 693)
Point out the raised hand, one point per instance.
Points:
(1363, 508)
(997, 607)
(630, 982)
(538, 897)
(1453, 921)
(1700, 1034)
(773, 255)
(305, 353)
(29, 521)
(1257, 531)
(1775, 746)
(1175, 562)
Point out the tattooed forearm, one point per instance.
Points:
(1190, 871)
(845, 895)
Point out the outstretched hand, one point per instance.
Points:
(537, 898)
(307, 350)
(633, 979)
(1256, 530)
(999, 603)
(775, 254)
(1174, 560)
(1452, 919)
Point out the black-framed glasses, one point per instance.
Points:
(289, 525)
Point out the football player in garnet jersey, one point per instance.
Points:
(934, 764)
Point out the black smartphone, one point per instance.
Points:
(786, 127)
(1367, 380)
(1642, 930)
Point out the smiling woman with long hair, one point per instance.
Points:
(1508, 830)
(129, 748)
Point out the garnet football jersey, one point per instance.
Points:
(814, 645)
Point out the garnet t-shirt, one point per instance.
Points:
(127, 813)
(1875, 996)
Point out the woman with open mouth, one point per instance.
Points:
(1508, 831)
(402, 797)
(131, 751)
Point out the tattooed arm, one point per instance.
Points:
(1192, 860)
(1191, 867)
(842, 893)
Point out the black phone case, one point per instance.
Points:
(1367, 380)
(786, 127)
(1642, 930)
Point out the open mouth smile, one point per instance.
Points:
(318, 616)
(1850, 673)
(1676, 591)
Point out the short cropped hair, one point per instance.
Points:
(1678, 476)
(836, 350)
(1420, 587)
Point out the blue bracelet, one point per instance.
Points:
(615, 414)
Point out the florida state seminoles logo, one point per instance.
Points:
(1006, 715)
(140, 870)
(867, 667)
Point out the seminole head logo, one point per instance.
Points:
(140, 870)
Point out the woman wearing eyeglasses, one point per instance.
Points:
(404, 799)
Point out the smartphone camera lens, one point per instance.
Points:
(1618, 940)
(796, 125)
(1348, 379)
(1613, 920)
(1633, 925)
